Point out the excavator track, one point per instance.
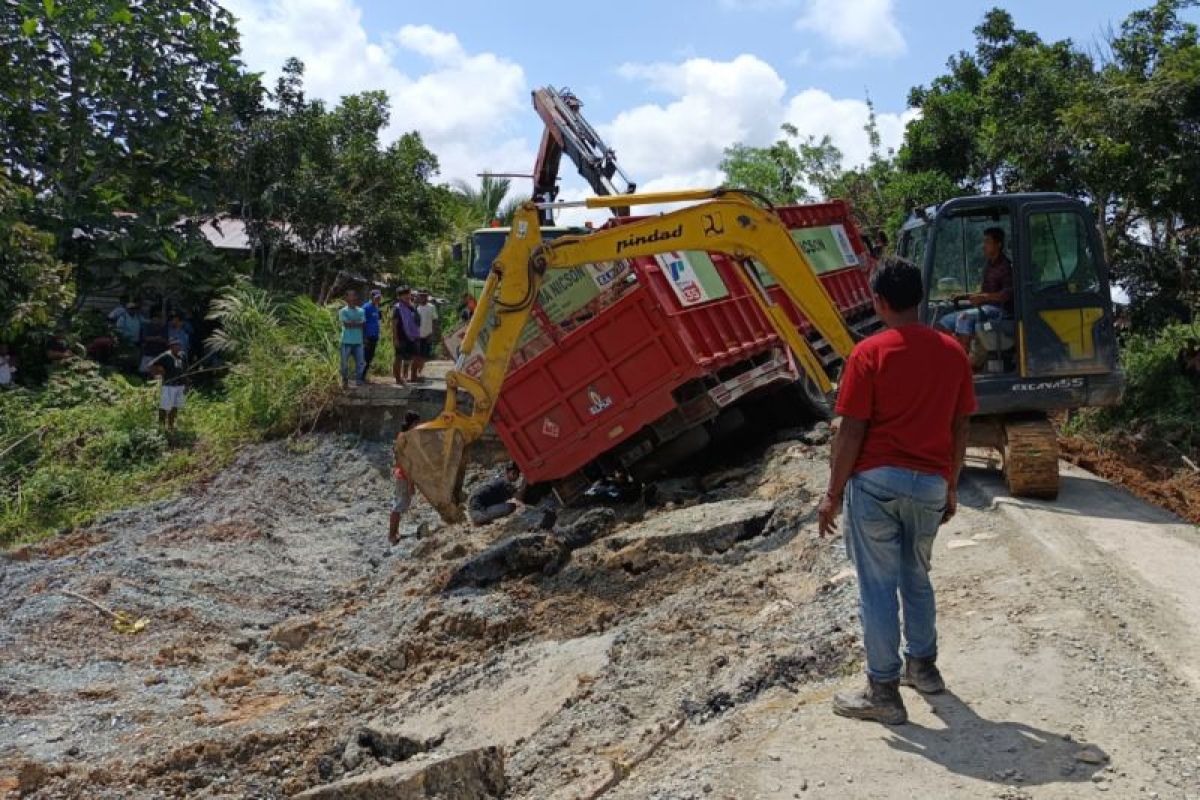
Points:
(1031, 458)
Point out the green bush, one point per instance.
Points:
(1162, 394)
(89, 442)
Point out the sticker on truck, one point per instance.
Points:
(692, 276)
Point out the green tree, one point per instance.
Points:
(323, 200)
(34, 285)
(116, 116)
(788, 171)
(1119, 130)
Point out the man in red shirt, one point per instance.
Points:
(904, 402)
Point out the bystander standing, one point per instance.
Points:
(370, 331)
(352, 319)
(171, 367)
(427, 318)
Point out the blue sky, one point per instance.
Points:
(670, 84)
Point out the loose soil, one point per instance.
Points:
(1152, 474)
(288, 646)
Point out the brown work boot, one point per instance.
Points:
(922, 674)
(879, 701)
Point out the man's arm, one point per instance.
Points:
(846, 446)
(959, 429)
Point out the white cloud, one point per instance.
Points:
(817, 113)
(717, 103)
(855, 28)
(466, 106)
(714, 104)
(432, 43)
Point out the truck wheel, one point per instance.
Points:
(1031, 458)
(810, 397)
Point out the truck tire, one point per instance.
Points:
(1031, 458)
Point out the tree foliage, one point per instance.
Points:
(34, 285)
(787, 172)
(1119, 129)
(116, 115)
(322, 197)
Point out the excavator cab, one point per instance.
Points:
(1053, 348)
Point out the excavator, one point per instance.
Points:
(726, 221)
(1055, 351)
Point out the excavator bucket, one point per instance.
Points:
(435, 458)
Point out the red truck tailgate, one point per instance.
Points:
(602, 383)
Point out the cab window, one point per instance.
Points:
(958, 260)
(1060, 253)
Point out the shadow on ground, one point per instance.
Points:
(996, 751)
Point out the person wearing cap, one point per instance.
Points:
(370, 332)
(171, 367)
(406, 334)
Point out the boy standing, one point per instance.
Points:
(402, 488)
(171, 367)
(352, 319)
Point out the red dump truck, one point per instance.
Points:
(633, 365)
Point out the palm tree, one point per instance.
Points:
(482, 204)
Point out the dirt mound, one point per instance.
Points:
(282, 626)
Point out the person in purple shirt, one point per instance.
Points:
(406, 334)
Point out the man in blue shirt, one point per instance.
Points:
(352, 319)
(370, 331)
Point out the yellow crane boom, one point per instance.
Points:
(725, 221)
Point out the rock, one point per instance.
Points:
(724, 476)
(294, 633)
(352, 754)
(1091, 755)
(514, 557)
(393, 745)
(31, 777)
(587, 527)
(676, 490)
(817, 435)
(710, 527)
(472, 775)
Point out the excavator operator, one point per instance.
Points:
(995, 298)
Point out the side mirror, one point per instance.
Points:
(456, 251)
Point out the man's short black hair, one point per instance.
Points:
(898, 282)
(996, 235)
(512, 467)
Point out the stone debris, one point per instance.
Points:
(473, 775)
(709, 527)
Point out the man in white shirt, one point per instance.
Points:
(428, 316)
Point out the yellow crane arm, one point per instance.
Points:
(725, 221)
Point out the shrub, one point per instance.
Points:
(1162, 392)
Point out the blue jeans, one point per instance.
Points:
(892, 517)
(963, 322)
(354, 351)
